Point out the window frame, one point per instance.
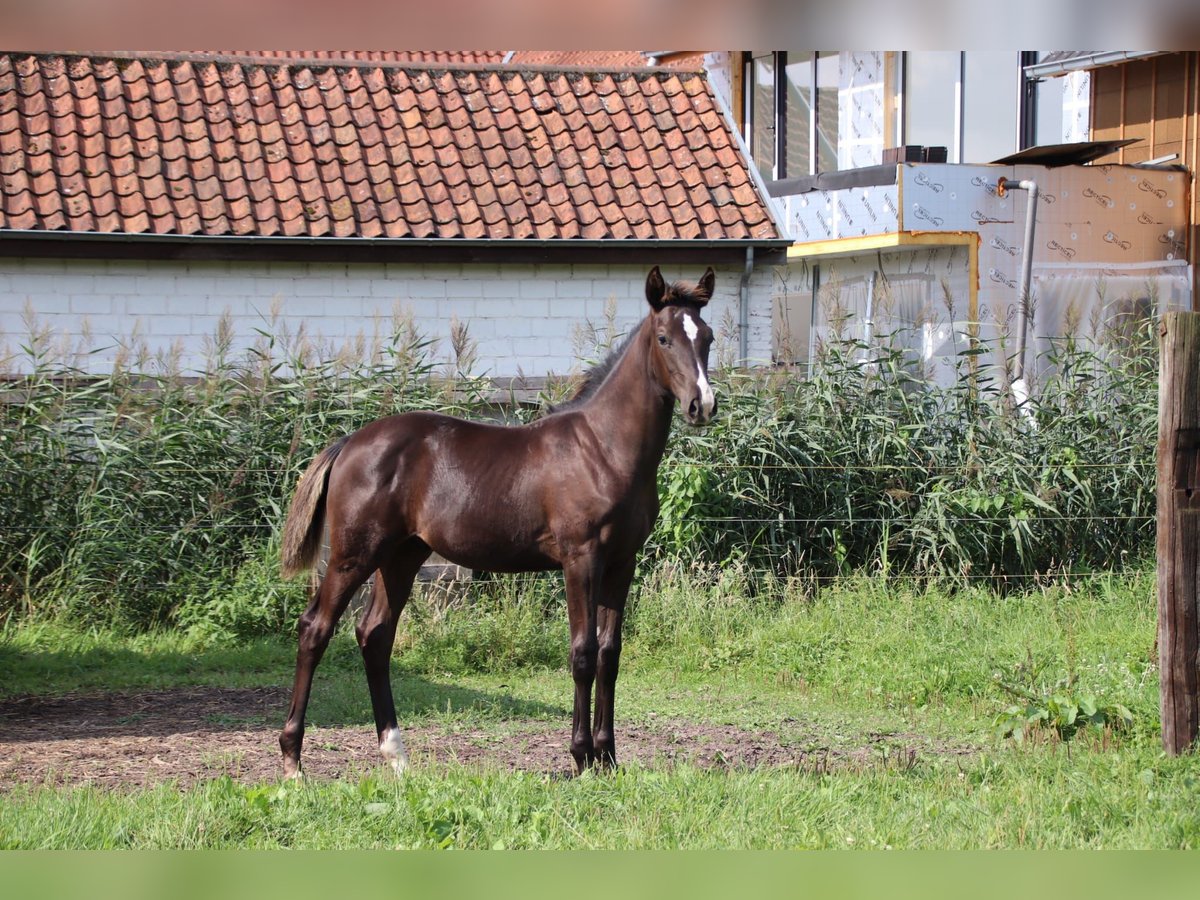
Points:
(1026, 98)
(779, 60)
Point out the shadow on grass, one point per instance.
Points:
(112, 691)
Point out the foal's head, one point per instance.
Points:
(680, 342)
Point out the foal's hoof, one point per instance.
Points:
(584, 762)
(292, 770)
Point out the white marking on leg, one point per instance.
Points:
(392, 748)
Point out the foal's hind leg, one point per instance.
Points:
(341, 580)
(377, 633)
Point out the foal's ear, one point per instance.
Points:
(656, 289)
(706, 284)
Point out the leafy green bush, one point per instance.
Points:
(253, 602)
(1061, 711)
(497, 625)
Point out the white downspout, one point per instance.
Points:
(869, 318)
(1020, 387)
(744, 309)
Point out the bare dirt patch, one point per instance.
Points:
(188, 735)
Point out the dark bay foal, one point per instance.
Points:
(575, 490)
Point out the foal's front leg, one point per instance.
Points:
(582, 577)
(609, 617)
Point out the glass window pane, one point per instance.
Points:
(990, 88)
(1052, 102)
(1049, 128)
(762, 113)
(798, 109)
(827, 111)
(930, 81)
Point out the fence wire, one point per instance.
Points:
(788, 550)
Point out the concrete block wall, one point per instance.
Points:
(527, 320)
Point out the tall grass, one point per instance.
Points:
(144, 497)
(866, 463)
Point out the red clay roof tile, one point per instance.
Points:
(189, 146)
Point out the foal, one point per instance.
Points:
(575, 490)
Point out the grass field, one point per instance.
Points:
(882, 697)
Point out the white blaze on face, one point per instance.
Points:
(692, 330)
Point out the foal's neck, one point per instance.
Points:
(631, 411)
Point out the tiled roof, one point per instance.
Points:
(197, 147)
(381, 56)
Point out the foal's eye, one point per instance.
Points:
(662, 340)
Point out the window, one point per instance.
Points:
(1045, 118)
(762, 112)
(991, 83)
(798, 112)
(931, 85)
(826, 124)
(966, 102)
(810, 112)
(792, 104)
(1049, 111)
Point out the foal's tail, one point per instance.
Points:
(306, 518)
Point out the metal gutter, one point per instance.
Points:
(355, 241)
(1094, 60)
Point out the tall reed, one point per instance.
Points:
(145, 497)
(867, 463)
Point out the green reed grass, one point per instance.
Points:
(144, 498)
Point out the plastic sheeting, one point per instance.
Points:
(917, 303)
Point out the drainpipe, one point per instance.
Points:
(1019, 387)
(744, 309)
(869, 317)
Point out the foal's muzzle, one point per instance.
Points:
(701, 409)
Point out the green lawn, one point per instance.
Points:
(833, 667)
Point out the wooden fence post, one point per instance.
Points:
(1178, 544)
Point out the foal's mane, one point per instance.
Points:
(679, 293)
(595, 376)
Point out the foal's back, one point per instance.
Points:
(482, 495)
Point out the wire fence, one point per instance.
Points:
(746, 530)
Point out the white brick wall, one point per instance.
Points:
(525, 318)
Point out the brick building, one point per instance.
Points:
(143, 197)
